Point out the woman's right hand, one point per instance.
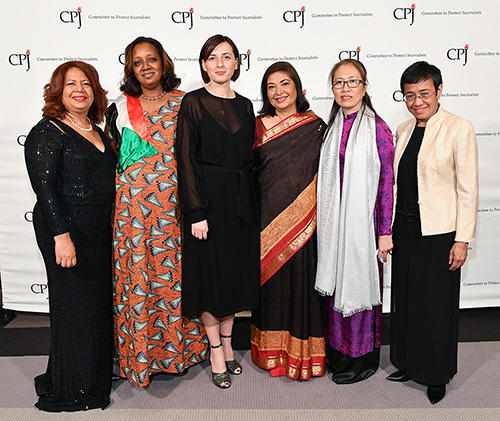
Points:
(65, 250)
(199, 230)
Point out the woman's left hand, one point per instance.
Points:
(384, 246)
(458, 255)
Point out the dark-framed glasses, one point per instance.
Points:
(352, 83)
(413, 97)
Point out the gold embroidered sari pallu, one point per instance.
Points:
(295, 224)
(287, 335)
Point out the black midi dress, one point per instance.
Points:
(214, 160)
(74, 185)
(424, 292)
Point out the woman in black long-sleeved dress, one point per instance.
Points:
(220, 262)
(71, 168)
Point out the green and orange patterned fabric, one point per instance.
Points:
(151, 335)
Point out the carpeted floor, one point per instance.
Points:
(29, 333)
(474, 394)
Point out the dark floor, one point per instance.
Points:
(476, 325)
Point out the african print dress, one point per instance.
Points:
(151, 335)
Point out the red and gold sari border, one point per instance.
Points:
(274, 261)
(287, 125)
(300, 358)
(136, 117)
(288, 232)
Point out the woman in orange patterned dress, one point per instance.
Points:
(151, 335)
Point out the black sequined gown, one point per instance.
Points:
(74, 185)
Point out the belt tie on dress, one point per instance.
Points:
(244, 199)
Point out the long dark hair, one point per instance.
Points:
(131, 86)
(366, 98)
(282, 66)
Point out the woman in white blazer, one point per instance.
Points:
(436, 189)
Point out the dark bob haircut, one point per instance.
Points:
(52, 92)
(420, 71)
(362, 72)
(131, 86)
(282, 66)
(210, 45)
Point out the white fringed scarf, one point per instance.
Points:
(347, 249)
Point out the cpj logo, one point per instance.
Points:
(245, 59)
(398, 96)
(405, 13)
(21, 139)
(20, 59)
(458, 54)
(295, 16)
(39, 288)
(28, 216)
(72, 16)
(350, 54)
(183, 17)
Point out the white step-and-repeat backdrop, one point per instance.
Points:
(459, 36)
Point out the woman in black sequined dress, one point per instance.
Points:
(71, 168)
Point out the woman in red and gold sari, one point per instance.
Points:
(287, 333)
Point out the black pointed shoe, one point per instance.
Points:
(398, 376)
(436, 393)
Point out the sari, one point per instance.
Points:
(287, 330)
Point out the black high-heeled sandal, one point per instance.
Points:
(233, 366)
(220, 378)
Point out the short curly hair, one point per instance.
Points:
(52, 92)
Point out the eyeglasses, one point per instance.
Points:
(423, 96)
(352, 83)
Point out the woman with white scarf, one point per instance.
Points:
(354, 211)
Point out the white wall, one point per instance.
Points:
(390, 36)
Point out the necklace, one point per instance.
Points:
(153, 99)
(79, 127)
